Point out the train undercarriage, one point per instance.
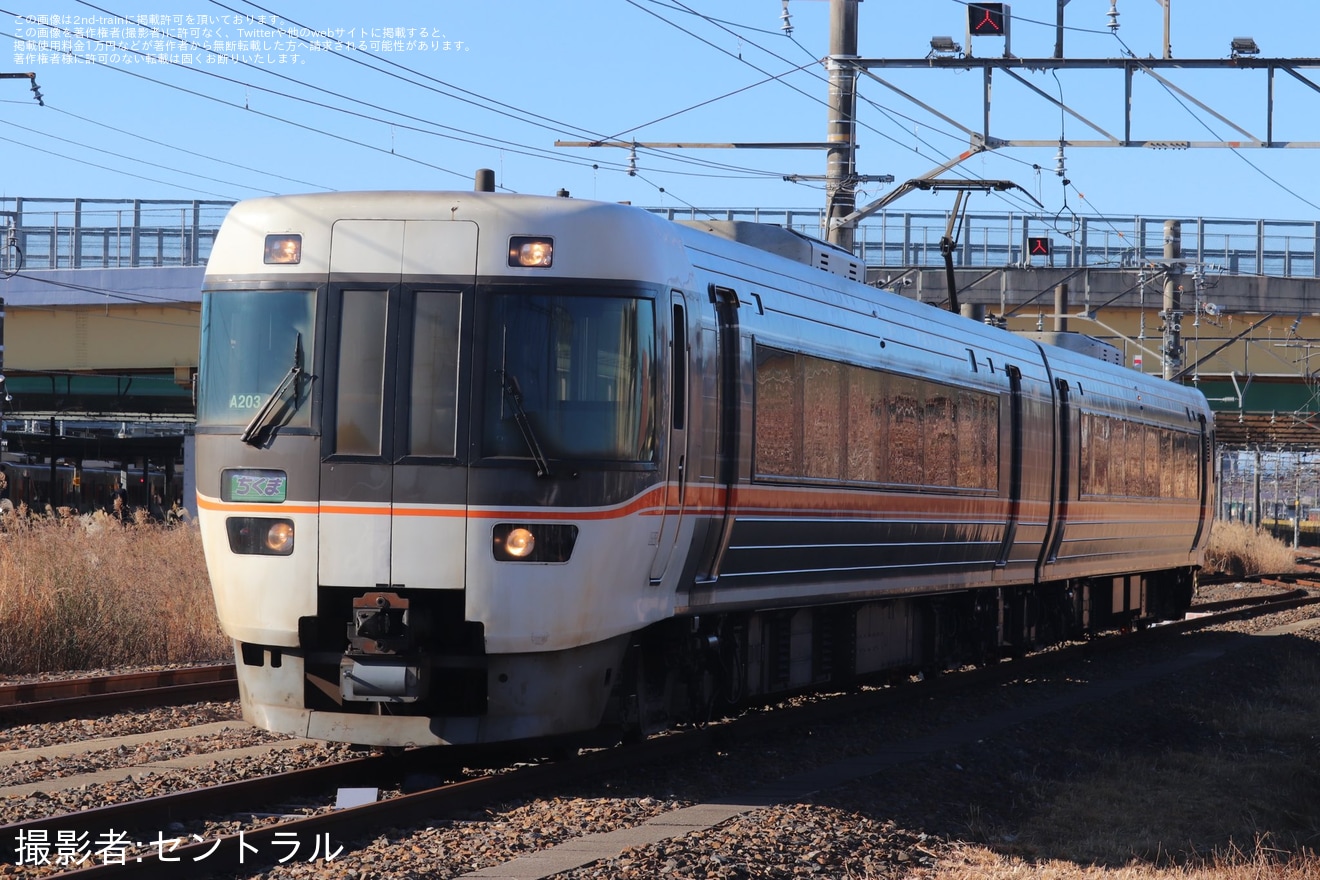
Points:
(374, 654)
(691, 669)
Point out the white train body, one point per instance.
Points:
(477, 467)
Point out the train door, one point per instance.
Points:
(430, 488)
(676, 466)
(1205, 477)
(1063, 468)
(727, 439)
(1014, 464)
(390, 485)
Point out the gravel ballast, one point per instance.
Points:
(898, 823)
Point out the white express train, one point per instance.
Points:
(476, 467)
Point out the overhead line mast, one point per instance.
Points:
(841, 158)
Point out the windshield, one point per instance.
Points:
(571, 374)
(249, 343)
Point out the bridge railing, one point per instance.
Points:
(107, 233)
(113, 233)
(1285, 248)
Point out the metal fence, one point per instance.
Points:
(107, 233)
(111, 233)
(1285, 248)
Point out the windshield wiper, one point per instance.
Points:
(514, 394)
(255, 432)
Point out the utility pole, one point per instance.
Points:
(1172, 312)
(1058, 30)
(840, 195)
(1168, 49)
(840, 144)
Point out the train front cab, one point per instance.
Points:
(446, 473)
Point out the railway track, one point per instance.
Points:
(158, 853)
(59, 699)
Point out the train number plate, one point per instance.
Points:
(266, 487)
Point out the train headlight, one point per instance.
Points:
(284, 249)
(533, 542)
(279, 539)
(531, 251)
(260, 536)
(519, 543)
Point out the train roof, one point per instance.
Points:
(593, 226)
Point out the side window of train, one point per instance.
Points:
(819, 419)
(1131, 459)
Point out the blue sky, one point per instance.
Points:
(447, 87)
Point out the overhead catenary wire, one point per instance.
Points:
(424, 126)
(106, 152)
(395, 152)
(467, 96)
(53, 154)
(209, 158)
(1016, 201)
(748, 36)
(1236, 152)
(276, 93)
(274, 117)
(502, 108)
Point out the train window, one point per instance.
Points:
(247, 348)
(1155, 463)
(865, 437)
(578, 370)
(978, 441)
(1187, 458)
(1115, 453)
(1141, 468)
(1095, 455)
(904, 430)
(1130, 458)
(778, 413)
(822, 418)
(1169, 456)
(432, 417)
(360, 386)
(940, 458)
(1134, 450)
(1142, 461)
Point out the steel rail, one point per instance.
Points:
(65, 698)
(229, 853)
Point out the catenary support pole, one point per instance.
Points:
(841, 132)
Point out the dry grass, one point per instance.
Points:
(979, 863)
(87, 593)
(1240, 550)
